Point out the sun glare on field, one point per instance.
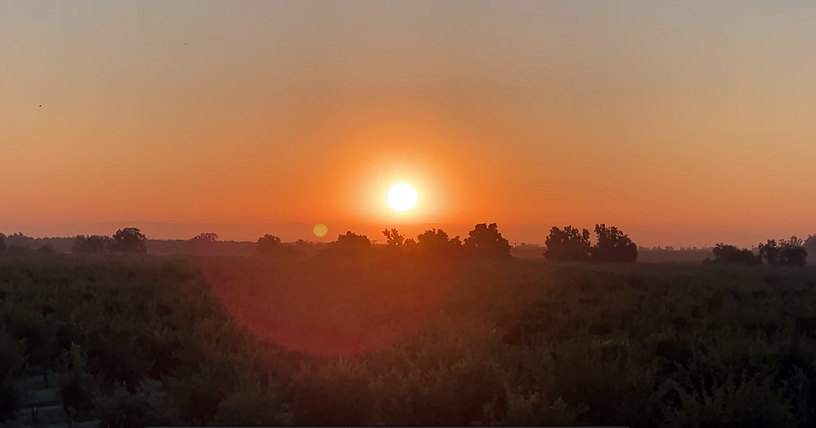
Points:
(402, 197)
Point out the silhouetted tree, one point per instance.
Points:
(729, 254)
(393, 239)
(790, 252)
(94, 244)
(613, 246)
(793, 255)
(269, 245)
(129, 240)
(2, 243)
(567, 245)
(435, 242)
(205, 243)
(349, 244)
(485, 241)
(206, 237)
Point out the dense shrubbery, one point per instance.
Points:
(783, 253)
(12, 362)
(503, 343)
(730, 254)
(271, 246)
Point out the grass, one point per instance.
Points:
(243, 340)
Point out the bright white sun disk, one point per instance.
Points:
(402, 197)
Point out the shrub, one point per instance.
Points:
(729, 254)
(147, 406)
(253, 404)
(742, 403)
(12, 362)
(76, 386)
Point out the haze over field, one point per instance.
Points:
(683, 123)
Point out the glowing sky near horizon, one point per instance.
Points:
(661, 115)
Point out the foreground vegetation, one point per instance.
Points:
(148, 340)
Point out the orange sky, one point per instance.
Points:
(656, 118)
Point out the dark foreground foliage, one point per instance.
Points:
(147, 340)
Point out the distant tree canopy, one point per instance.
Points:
(485, 241)
(611, 246)
(2, 243)
(567, 245)
(790, 252)
(129, 240)
(269, 245)
(205, 237)
(93, 244)
(435, 242)
(729, 254)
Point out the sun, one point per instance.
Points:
(402, 197)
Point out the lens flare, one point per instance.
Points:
(320, 230)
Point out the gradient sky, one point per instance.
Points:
(667, 119)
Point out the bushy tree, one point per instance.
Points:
(485, 241)
(393, 239)
(613, 246)
(729, 254)
(435, 242)
(350, 244)
(769, 251)
(566, 245)
(790, 252)
(269, 245)
(205, 243)
(129, 240)
(94, 244)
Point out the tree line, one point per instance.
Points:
(784, 252)
(568, 244)
(484, 241)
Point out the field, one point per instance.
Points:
(246, 340)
